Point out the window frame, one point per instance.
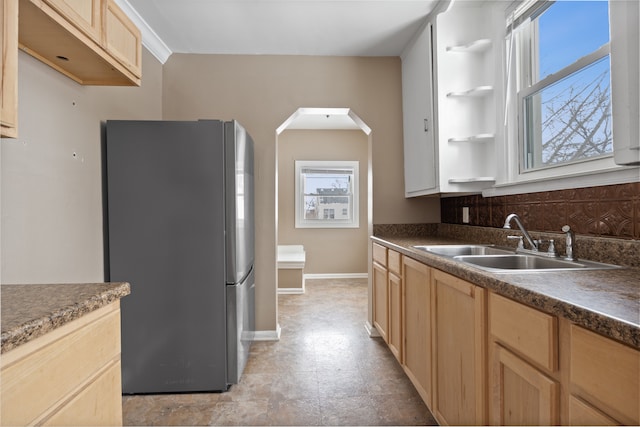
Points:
(624, 166)
(527, 62)
(300, 221)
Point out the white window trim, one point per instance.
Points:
(300, 222)
(623, 49)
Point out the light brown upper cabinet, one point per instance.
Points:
(9, 67)
(84, 14)
(122, 38)
(90, 41)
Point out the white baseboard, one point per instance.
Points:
(290, 291)
(268, 335)
(337, 276)
(371, 330)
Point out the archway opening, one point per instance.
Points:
(304, 120)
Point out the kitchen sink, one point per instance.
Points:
(523, 263)
(456, 250)
(498, 259)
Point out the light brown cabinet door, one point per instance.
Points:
(460, 341)
(417, 326)
(83, 14)
(380, 300)
(522, 395)
(395, 316)
(9, 67)
(122, 38)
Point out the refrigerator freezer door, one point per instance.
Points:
(166, 238)
(239, 202)
(240, 325)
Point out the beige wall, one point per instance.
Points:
(51, 228)
(51, 202)
(263, 91)
(327, 250)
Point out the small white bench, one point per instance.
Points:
(291, 259)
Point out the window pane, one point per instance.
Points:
(569, 30)
(571, 119)
(327, 191)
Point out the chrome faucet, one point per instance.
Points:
(570, 238)
(527, 236)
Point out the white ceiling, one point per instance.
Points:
(283, 27)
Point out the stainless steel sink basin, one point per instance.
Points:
(499, 259)
(456, 250)
(523, 263)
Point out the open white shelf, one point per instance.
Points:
(476, 92)
(481, 45)
(483, 137)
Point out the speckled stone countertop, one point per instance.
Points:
(605, 301)
(30, 311)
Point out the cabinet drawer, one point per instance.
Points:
(530, 332)
(583, 414)
(606, 374)
(104, 392)
(394, 264)
(48, 370)
(380, 254)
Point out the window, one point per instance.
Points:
(564, 83)
(326, 194)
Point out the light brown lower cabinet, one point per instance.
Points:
(459, 351)
(604, 380)
(523, 372)
(417, 326)
(396, 291)
(477, 358)
(395, 315)
(70, 376)
(380, 284)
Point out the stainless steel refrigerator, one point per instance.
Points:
(180, 221)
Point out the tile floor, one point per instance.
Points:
(325, 370)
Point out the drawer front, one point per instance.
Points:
(583, 414)
(530, 332)
(380, 254)
(394, 263)
(606, 374)
(34, 384)
(104, 392)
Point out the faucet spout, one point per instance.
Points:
(514, 217)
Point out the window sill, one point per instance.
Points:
(620, 175)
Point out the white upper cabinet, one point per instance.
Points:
(450, 103)
(420, 168)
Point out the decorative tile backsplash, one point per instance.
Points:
(605, 211)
